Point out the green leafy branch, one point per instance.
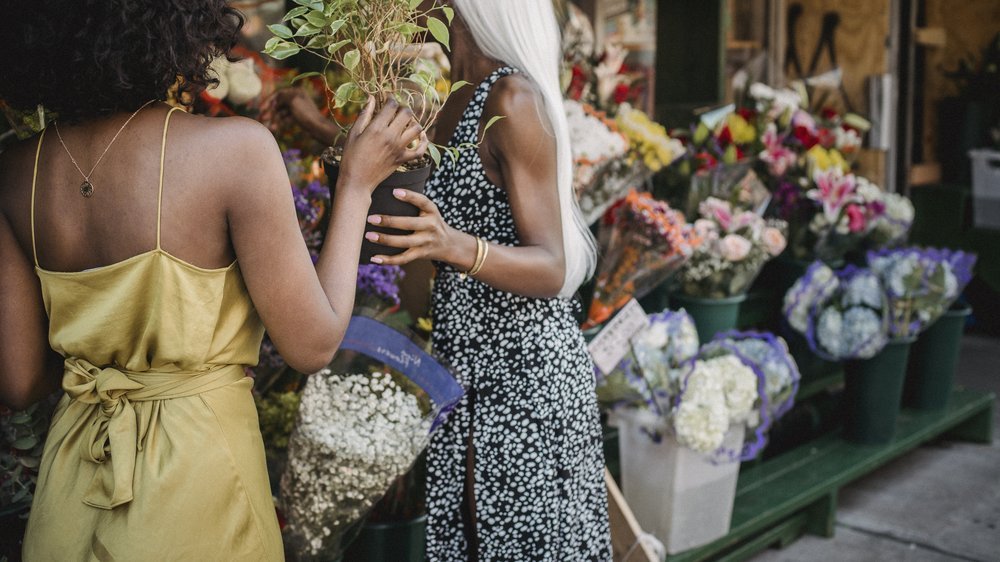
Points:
(373, 41)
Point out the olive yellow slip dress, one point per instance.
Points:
(154, 452)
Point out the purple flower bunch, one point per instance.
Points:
(379, 284)
(311, 197)
(842, 314)
(920, 284)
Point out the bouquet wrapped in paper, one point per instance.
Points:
(842, 314)
(920, 284)
(601, 175)
(744, 379)
(361, 425)
(649, 242)
(734, 247)
(649, 142)
(847, 208)
(651, 373)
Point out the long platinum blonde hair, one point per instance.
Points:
(524, 34)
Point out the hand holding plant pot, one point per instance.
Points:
(344, 33)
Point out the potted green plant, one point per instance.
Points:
(372, 41)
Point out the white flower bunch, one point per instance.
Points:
(355, 435)
(770, 355)
(654, 370)
(776, 103)
(719, 392)
(893, 227)
(600, 174)
(818, 285)
(854, 332)
(920, 284)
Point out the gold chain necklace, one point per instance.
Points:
(87, 187)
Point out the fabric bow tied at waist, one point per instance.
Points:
(117, 431)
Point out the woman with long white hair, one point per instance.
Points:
(517, 471)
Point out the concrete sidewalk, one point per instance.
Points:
(939, 503)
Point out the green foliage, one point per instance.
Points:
(22, 438)
(371, 40)
(277, 412)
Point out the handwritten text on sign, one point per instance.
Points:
(612, 343)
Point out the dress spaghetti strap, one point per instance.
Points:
(34, 181)
(159, 197)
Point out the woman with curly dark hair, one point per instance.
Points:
(144, 250)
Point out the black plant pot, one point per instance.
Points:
(404, 541)
(383, 202)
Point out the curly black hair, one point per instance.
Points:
(87, 58)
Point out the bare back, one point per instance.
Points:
(74, 233)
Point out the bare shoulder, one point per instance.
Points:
(236, 149)
(240, 137)
(524, 127)
(516, 97)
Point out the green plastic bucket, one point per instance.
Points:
(711, 316)
(933, 360)
(873, 392)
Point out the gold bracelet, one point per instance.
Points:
(479, 266)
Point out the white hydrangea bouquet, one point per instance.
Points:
(842, 314)
(649, 377)
(667, 384)
(920, 285)
(718, 393)
(357, 432)
(735, 245)
(777, 375)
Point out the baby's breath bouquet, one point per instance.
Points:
(362, 423)
(356, 434)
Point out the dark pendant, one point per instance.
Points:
(87, 189)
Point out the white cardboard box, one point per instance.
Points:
(986, 188)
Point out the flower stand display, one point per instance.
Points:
(795, 494)
(680, 496)
(933, 359)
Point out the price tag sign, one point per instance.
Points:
(612, 343)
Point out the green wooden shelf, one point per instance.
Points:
(781, 499)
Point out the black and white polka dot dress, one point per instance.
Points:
(539, 467)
